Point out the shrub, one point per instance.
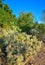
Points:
(20, 46)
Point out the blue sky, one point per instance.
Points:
(34, 6)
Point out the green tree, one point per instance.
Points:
(1, 4)
(0, 1)
(6, 7)
(25, 21)
(7, 19)
(43, 16)
(41, 28)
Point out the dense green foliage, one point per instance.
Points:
(25, 21)
(7, 19)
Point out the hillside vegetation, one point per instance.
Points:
(19, 37)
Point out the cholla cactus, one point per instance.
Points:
(20, 46)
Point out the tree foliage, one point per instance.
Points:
(25, 21)
(43, 16)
